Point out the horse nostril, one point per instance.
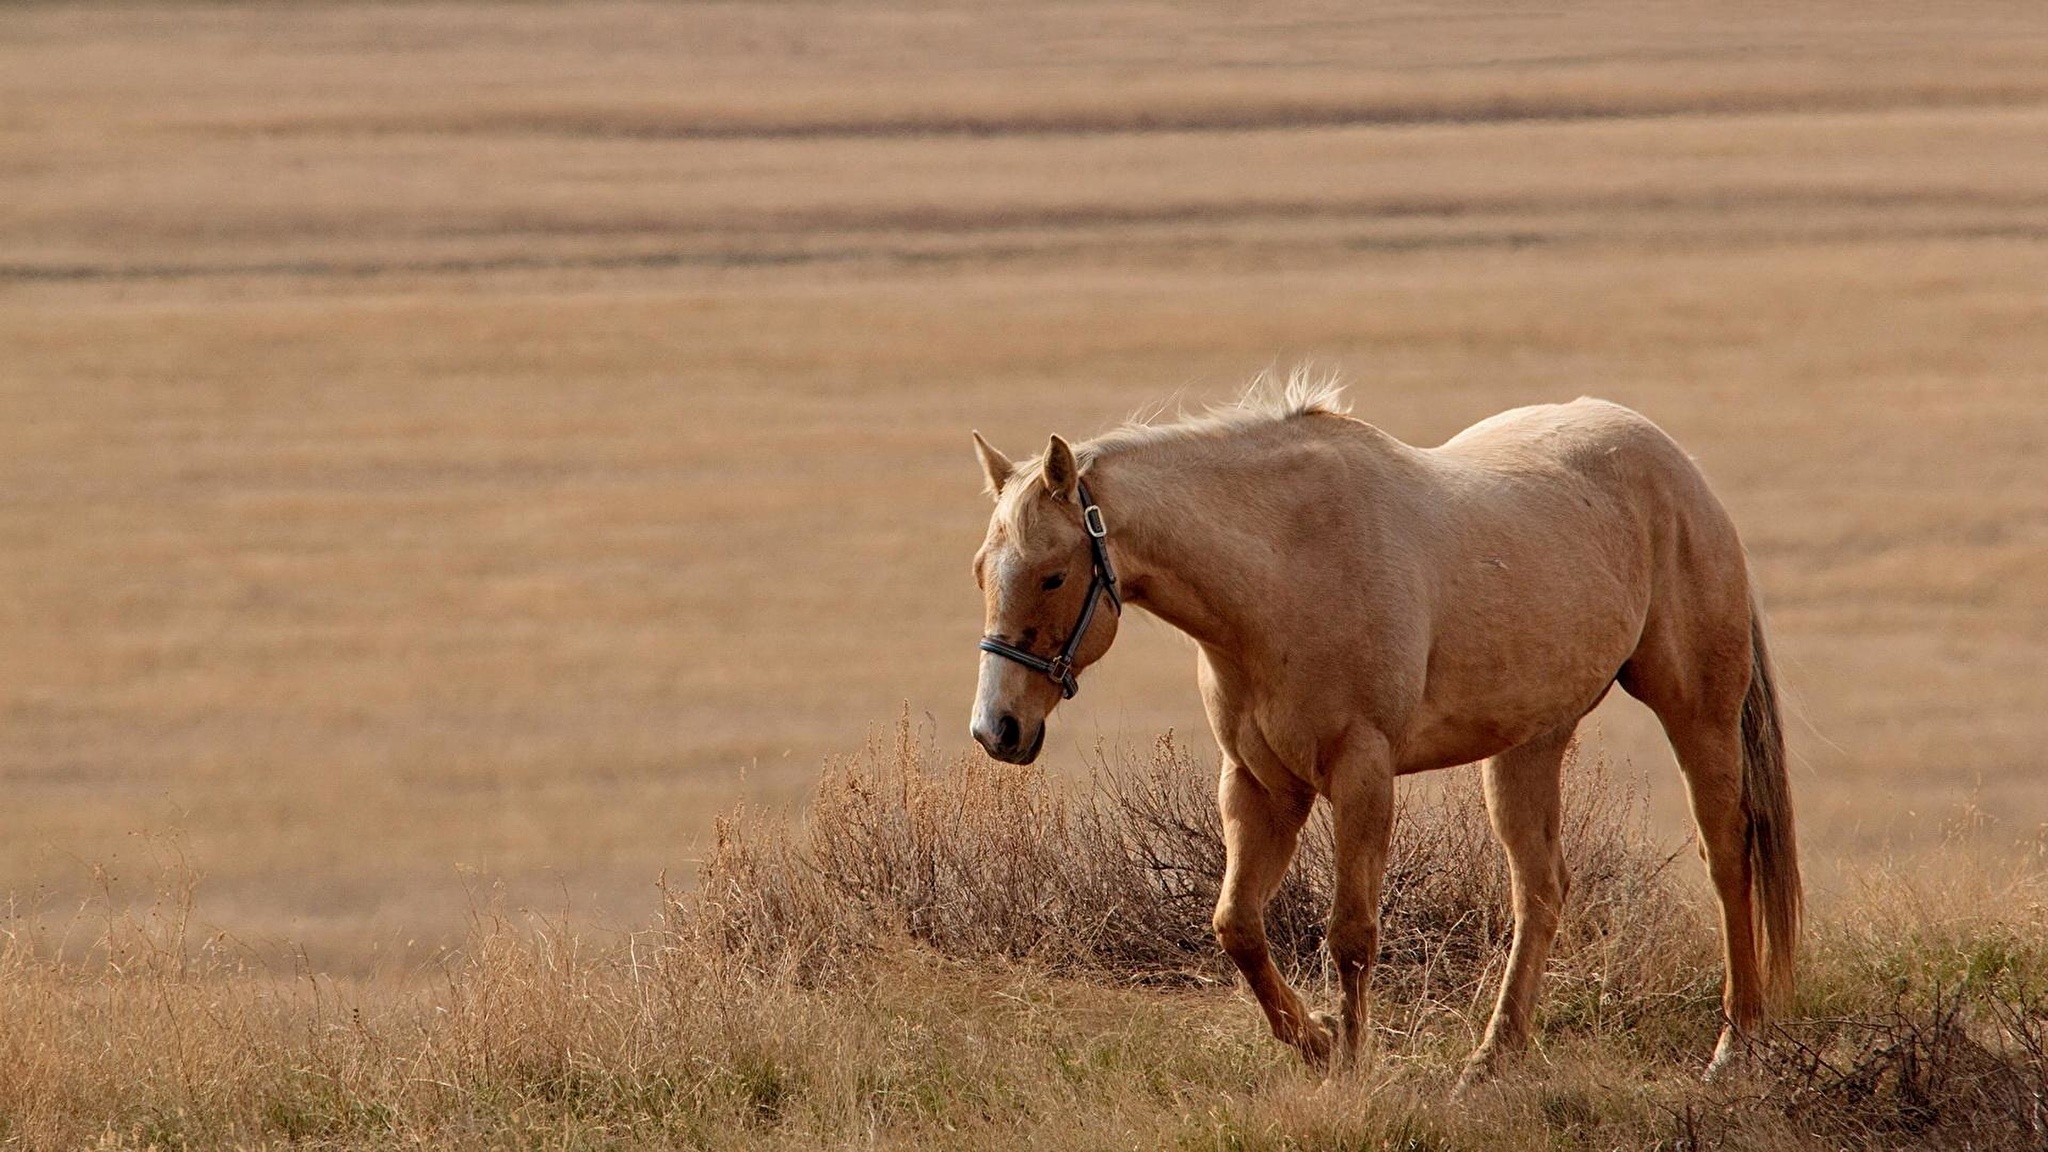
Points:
(1007, 732)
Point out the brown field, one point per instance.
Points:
(446, 446)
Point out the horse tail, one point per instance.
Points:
(1767, 804)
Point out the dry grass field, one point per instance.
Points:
(452, 446)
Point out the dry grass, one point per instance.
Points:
(787, 1002)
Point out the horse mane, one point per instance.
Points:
(1268, 399)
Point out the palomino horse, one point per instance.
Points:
(1366, 609)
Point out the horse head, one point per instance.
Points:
(1043, 569)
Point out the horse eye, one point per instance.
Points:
(1053, 581)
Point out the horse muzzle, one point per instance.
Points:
(1006, 741)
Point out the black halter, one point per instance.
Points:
(1060, 669)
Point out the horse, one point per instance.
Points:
(1365, 609)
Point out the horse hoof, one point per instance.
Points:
(1318, 1041)
(1481, 1069)
(1329, 1040)
(1722, 1066)
(1731, 1055)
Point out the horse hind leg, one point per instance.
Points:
(1700, 707)
(1260, 831)
(1524, 801)
(1709, 751)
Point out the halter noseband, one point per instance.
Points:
(1060, 669)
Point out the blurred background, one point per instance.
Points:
(457, 446)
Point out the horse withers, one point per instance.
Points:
(1365, 609)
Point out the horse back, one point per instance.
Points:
(1587, 471)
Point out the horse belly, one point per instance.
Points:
(1497, 684)
(1446, 739)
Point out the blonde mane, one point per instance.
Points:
(1268, 399)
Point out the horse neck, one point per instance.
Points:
(1192, 540)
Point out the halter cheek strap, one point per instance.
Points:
(1102, 579)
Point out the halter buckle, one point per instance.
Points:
(1091, 518)
(1061, 671)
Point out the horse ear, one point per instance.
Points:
(1060, 473)
(994, 464)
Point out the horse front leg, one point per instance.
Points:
(1361, 790)
(1261, 827)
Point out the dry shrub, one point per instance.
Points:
(1115, 878)
(1967, 1068)
(974, 858)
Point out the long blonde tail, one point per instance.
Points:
(1767, 802)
